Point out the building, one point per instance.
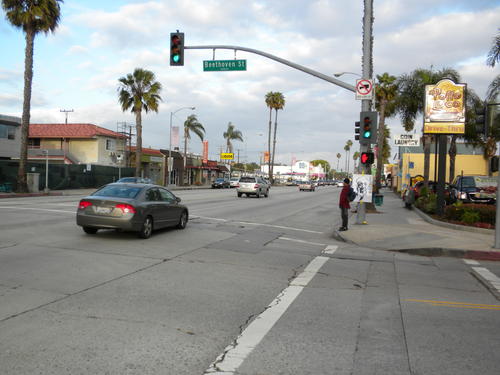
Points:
(152, 163)
(301, 170)
(76, 144)
(10, 137)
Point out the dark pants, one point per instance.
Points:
(344, 213)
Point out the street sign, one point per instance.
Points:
(227, 156)
(406, 140)
(364, 89)
(224, 65)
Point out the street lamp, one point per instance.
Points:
(170, 161)
(342, 73)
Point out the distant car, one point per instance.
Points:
(135, 207)
(233, 182)
(340, 183)
(253, 186)
(136, 180)
(307, 185)
(221, 183)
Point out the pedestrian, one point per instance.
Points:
(344, 203)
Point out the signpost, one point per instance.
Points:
(364, 89)
(224, 65)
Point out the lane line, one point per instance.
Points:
(330, 249)
(489, 276)
(300, 241)
(38, 209)
(471, 262)
(233, 356)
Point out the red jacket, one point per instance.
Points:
(344, 200)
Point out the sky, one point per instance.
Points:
(97, 42)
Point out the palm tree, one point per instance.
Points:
(355, 157)
(231, 134)
(339, 155)
(191, 125)
(33, 17)
(494, 53)
(347, 149)
(411, 91)
(139, 91)
(276, 101)
(385, 103)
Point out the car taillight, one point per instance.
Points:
(126, 208)
(84, 204)
(237, 185)
(256, 186)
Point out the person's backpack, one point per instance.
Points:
(351, 195)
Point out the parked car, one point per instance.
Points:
(233, 182)
(417, 188)
(307, 185)
(253, 186)
(474, 189)
(135, 207)
(221, 183)
(136, 180)
(340, 183)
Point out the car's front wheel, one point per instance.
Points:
(90, 230)
(183, 220)
(239, 195)
(147, 228)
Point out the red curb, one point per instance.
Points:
(482, 255)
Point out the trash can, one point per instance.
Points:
(378, 199)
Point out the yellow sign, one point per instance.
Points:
(227, 156)
(444, 108)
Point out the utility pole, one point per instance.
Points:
(66, 111)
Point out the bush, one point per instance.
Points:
(427, 203)
(471, 213)
(470, 216)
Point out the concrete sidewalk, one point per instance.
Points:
(396, 228)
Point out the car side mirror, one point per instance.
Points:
(178, 199)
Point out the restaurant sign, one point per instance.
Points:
(444, 111)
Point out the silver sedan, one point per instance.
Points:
(133, 207)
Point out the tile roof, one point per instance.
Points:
(70, 131)
(148, 151)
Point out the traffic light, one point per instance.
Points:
(367, 158)
(494, 164)
(482, 120)
(368, 120)
(177, 49)
(356, 130)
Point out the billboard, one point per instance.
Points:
(205, 152)
(362, 185)
(444, 111)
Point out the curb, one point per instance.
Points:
(487, 283)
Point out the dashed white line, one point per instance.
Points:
(233, 356)
(471, 262)
(301, 241)
(39, 209)
(489, 276)
(330, 249)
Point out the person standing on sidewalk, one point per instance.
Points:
(344, 204)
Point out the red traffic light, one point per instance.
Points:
(367, 158)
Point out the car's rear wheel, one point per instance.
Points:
(239, 195)
(257, 194)
(90, 230)
(266, 194)
(147, 228)
(183, 220)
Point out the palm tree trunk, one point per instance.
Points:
(380, 144)
(453, 154)
(427, 159)
(185, 155)
(274, 144)
(138, 146)
(269, 147)
(22, 185)
(338, 161)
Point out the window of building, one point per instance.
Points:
(34, 143)
(7, 131)
(110, 145)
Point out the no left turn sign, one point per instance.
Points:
(364, 89)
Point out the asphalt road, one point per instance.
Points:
(251, 286)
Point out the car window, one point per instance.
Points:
(152, 195)
(166, 196)
(118, 191)
(467, 182)
(247, 179)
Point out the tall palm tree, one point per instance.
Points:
(276, 101)
(411, 92)
(231, 134)
(347, 149)
(494, 53)
(139, 91)
(339, 155)
(355, 157)
(191, 125)
(385, 103)
(33, 17)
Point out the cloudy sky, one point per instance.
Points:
(98, 42)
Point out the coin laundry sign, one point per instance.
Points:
(406, 140)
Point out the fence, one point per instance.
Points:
(64, 176)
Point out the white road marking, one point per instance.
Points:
(489, 276)
(330, 249)
(39, 209)
(471, 262)
(233, 356)
(301, 241)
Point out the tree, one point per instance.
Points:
(494, 53)
(385, 103)
(139, 91)
(33, 17)
(410, 103)
(339, 155)
(355, 157)
(347, 149)
(231, 134)
(191, 125)
(276, 101)
(323, 163)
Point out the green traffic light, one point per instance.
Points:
(176, 58)
(367, 134)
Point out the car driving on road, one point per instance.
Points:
(220, 183)
(253, 186)
(307, 185)
(136, 207)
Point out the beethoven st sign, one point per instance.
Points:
(224, 65)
